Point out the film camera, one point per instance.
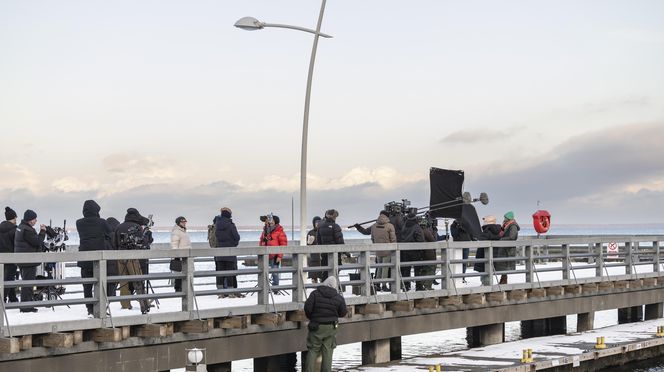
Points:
(402, 208)
(55, 238)
(137, 237)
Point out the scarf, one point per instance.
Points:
(505, 226)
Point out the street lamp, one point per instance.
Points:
(252, 24)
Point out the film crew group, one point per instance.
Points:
(7, 236)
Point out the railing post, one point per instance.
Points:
(636, 257)
(365, 273)
(488, 267)
(628, 258)
(591, 249)
(334, 257)
(2, 290)
(188, 283)
(529, 263)
(299, 279)
(396, 270)
(263, 279)
(599, 260)
(656, 267)
(566, 262)
(99, 272)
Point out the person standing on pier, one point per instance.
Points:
(26, 240)
(179, 240)
(227, 236)
(94, 233)
(411, 233)
(273, 235)
(314, 258)
(7, 232)
(509, 231)
(490, 231)
(112, 265)
(329, 232)
(381, 232)
(323, 308)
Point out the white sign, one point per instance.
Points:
(612, 250)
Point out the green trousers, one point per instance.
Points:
(322, 341)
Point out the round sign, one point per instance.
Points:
(612, 248)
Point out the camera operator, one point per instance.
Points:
(411, 233)
(94, 232)
(132, 224)
(7, 232)
(381, 232)
(26, 240)
(112, 265)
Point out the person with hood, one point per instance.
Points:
(381, 232)
(430, 235)
(7, 232)
(323, 308)
(179, 240)
(508, 231)
(460, 234)
(490, 231)
(111, 265)
(411, 233)
(273, 235)
(26, 240)
(314, 258)
(133, 220)
(93, 232)
(227, 236)
(329, 232)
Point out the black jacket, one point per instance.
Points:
(325, 305)
(489, 232)
(93, 231)
(227, 236)
(132, 219)
(27, 240)
(329, 232)
(7, 232)
(412, 232)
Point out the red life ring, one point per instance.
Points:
(542, 221)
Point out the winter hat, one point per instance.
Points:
(226, 209)
(332, 214)
(226, 212)
(509, 215)
(29, 215)
(179, 219)
(10, 214)
(316, 219)
(384, 213)
(489, 220)
(331, 282)
(276, 219)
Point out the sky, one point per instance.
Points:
(166, 107)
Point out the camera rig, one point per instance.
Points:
(137, 237)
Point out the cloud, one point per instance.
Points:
(16, 177)
(472, 136)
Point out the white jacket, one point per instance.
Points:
(180, 238)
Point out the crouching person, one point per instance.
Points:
(323, 308)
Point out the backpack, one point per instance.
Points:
(212, 236)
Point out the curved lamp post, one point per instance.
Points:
(252, 24)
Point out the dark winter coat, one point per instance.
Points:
(489, 232)
(329, 232)
(112, 265)
(429, 236)
(511, 232)
(7, 232)
(227, 236)
(325, 305)
(93, 231)
(26, 240)
(398, 223)
(133, 218)
(412, 233)
(274, 239)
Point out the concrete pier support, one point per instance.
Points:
(377, 351)
(219, 367)
(654, 311)
(630, 314)
(544, 327)
(395, 348)
(585, 322)
(490, 334)
(276, 363)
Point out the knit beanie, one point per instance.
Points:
(10, 214)
(29, 215)
(331, 282)
(509, 215)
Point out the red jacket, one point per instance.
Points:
(276, 238)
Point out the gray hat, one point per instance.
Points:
(331, 282)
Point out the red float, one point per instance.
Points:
(542, 221)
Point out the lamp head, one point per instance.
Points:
(249, 24)
(195, 356)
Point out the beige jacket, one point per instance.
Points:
(180, 238)
(383, 232)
